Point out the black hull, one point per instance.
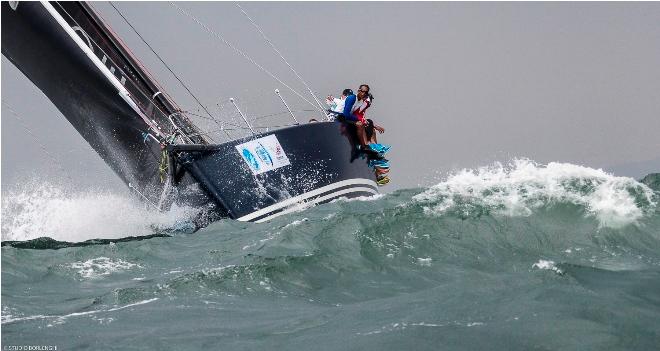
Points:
(324, 165)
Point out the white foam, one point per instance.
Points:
(296, 223)
(364, 198)
(100, 266)
(38, 210)
(424, 261)
(62, 319)
(523, 186)
(404, 325)
(548, 265)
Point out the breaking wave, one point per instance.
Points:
(520, 188)
(38, 210)
(523, 187)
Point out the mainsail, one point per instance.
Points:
(77, 61)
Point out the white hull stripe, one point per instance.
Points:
(319, 200)
(364, 185)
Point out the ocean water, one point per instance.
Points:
(506, 257)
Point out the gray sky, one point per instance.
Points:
(455, 84)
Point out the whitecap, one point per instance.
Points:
(524, 186)
(547, 265)
(101, 266)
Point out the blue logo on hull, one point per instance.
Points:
(252, 161)
(264, 155)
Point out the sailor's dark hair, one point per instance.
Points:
(347, 92)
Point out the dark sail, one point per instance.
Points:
(97, 84)
(144, 90)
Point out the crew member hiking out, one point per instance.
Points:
(355, 108)
(337, 104)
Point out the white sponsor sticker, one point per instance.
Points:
(263, 154)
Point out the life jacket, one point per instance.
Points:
(360, 108)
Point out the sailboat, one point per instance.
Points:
(88, 73)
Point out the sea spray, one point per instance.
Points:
(38, 210)
(523, 186)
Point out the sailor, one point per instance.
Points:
(364, 100)
(362, 103)
(354, 112)
(354, 109)
(337, 104)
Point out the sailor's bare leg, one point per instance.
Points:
(361, 134)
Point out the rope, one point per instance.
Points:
(283, 59)
(21, 121)
(165, 64)
(253, 119)
(238, 127)
(245, 128)
(210, 31)
(279, 113)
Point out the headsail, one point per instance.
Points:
(76, 60)
(144, 89)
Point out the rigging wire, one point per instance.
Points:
(165, 64)
(238, 128)
(282, 57)
(253, 119)
(21, 121)
(279, 114)
(204, 117)
(210, 31)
